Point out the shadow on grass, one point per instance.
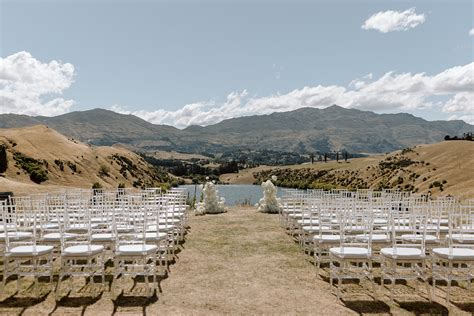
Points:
(424, 308)
(22, 302)
(134, 301)
(82, 301)
(367, 307)
(467, 307)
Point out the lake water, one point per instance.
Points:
(234, 194)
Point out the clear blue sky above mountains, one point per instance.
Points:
(198, 62)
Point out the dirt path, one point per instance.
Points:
(242, 262)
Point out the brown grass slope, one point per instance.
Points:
(421, 168)
(69, 162)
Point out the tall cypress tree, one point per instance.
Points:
(3, 159)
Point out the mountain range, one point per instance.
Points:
(304, 130)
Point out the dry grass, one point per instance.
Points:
(43, 143)
(240, 262)
(450, 161)
(161, 154)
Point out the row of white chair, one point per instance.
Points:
(411, 236)
(139, 231)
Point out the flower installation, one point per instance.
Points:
(269, 203)
(211, 203)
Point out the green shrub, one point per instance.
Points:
(38, 175)
(3, 159)
(104, 171)
(96, 185)
(32, 166)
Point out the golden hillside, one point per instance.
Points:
(442, 168)
(68, 162)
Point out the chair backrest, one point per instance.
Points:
(358, 219)
(135, 211)
(77, 220)
(461, 224)
(19, 218)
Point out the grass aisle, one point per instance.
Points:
(242, 262)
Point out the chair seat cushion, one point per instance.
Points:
(402, 221)
(47, 226)
(169, 221)
(380, 221)
(434, 227)
(441, 221)
(299, 215)
(397, 229)
(403, 253)
(313, 229)
(124, 228)
(350, 252)
(136, 250)
(429, 239)
(327, 238)
(308, 221)
(83, 250)
(103, 237)
(463, 238)
(172, 214)
(376, 238)
(16, 236)
(27, 251)
(161, 228)
(52, 237)
(81, 227)
(455, 253)
(8, 227)
(152, 236)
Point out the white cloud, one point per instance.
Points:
(471, 32)
(389, 21)
(391, 92)
(28, 86)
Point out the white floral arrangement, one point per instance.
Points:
(211, 203)
(269, 203)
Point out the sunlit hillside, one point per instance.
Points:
(442, 168)
(39, 157)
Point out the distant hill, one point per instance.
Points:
(303, 130)
(39, 157)
(442, 168)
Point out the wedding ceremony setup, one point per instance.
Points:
(76, 232)
(203, 157)
(389, 235)
(349, 235)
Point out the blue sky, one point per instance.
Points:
(154, 58)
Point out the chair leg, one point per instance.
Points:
(428, 290)
(18, 283)
(5, 276)
(448, 290)
(339, 285)
(391, 290)
(58, 288)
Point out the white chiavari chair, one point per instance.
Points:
(455, 262)
(352, 259)
(406, 259)
(135, 256)
(24, 257)
(79, 256)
